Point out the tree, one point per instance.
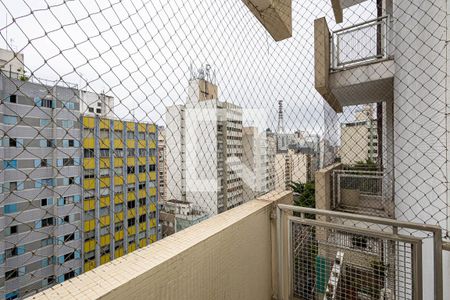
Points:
(306, 194)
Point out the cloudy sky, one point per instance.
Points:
(139, 51)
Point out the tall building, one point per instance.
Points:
(359, 140)
(119, 188)
(40, 192)
(257, 157)
(162, 165)
(93, 104)
(204, 149)
(292, 167)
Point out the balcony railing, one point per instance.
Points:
(360, 44)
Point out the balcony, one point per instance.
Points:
(354, 65)
(355, 191)
(268, 249)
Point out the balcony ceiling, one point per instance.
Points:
(339, 5)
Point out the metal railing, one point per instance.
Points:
(360, 44)
(361, 191)
(334, 255)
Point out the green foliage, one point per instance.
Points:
(305, 194)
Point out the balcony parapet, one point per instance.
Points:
(229, 256)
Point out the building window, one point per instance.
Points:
(10, 208)
(141, 186)
(131, 222)
(130, 152)
(47, 103)
(91, 109)
(15, 251)
(99, 110)
(152, 168)
(130, 135)
(131, 204)
(67, 123)
(9, 120)
(88, 153)
(44, 122)
(11, 274)
(130, 170)
(142, 169)
(12, 98)
(89, 173)
(142, 218)
(46, 201)
(10, 164)
(104, 152)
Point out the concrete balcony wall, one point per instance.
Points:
(274, 15)
(229, 256)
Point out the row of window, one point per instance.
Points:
(43, 143)
(117, 134)
(14, 207)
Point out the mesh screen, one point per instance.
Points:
(123, 122)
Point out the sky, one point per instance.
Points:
(140, 51)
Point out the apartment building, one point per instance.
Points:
(119, 188)
(292, 167)
(359, 139)
(93, 104)
(257, 156)
(162, 164)
(40, 191)
(210, 178)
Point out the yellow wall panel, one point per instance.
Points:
(118, 198)
(118, 143)
(89, 143)
(130, 161)
(118, 236)
(118, 180)
(104, 162)
(119, 252)
(89, 265)
(130, 126)
(118, 217)
(141, 177)
(89, 163)
(131, 178)
(141, 193)
(142, 243)
(89, 205)
(131, 213)
(152, 191)
(105, 258)
(89, 246)
(89, 184)
(104, 143)
(118, 125)
(141, 144)
(118, 162)
(104, 201)
(104, 220)
(88, 122)
(142, 227)
(141, 160)
(152, 144)
(152, 160)
(152, 222)
(132, 230)
(153, 238)
(104, 182)
(131, 196)
(152, 207)
(142, 210)
(89, 225)
(142, 127)
(151, 128)
(130, 143)
(152, 175)
(104, 124)
(131, 247)
(104, 240)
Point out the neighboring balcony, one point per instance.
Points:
(354, 65)
(355, 191)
